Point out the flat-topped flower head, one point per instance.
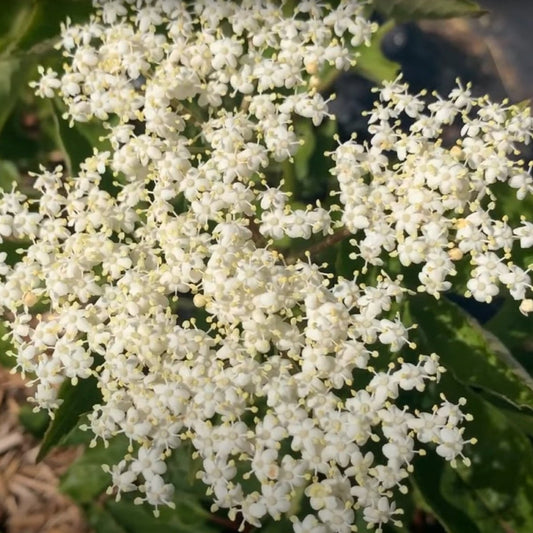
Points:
(172, 291)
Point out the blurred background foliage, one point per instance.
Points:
(488, 350)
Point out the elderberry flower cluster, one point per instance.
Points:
(272, 381)
(407, 195)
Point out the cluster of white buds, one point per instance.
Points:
(272, 380)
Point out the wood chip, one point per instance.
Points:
(29, 498)
(36, 485)
(10, 441)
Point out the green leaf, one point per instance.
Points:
(77, 436)
(34, 422)
(34, 25)
(496, 490)
(469, 352)
(138, 519)
(101, 520)
(515, 330)
(43, 23)
(371, 63)
(492, 495)
(15, 21)
(14, 76)
(27, 32)
(182, 470)
(405, 10)
(9, 174)
(427, 478)
(141, 519)
(85, 479)
(77, 400)
(522, 421)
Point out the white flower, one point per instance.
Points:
(148, 463)
(310, 524)
(381, 512)
(48, 83)
(452, 443)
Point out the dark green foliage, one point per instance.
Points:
(405, 10)
(77, 400)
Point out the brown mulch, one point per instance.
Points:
(30, 501)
